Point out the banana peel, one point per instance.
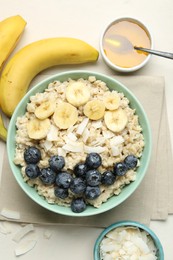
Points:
(10, 31)
(3, 130)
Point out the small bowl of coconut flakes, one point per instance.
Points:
(126, 240)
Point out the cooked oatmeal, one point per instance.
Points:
(81, 136)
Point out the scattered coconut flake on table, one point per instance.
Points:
(47, 234)
(128, 243)
(10, 214)
(22, 232)
(24, 247)
(4, 229)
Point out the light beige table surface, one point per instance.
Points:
(85, 20)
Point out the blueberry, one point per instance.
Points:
(92, 193)
(32, 155)
(93, 160)
(61, 193)
(108, 178)
(78, 205)
(93, 177)
(32, 171)
(120, 169)
(56, 163)
(78, 186)
(80, 170)
(64, 179)
(131, 161)
(47, 176)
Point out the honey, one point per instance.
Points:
(126, 57)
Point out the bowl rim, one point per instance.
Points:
(75, 74)
(105, 58)
(128, 223)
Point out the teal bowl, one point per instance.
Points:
(144, 162)
(158, 245)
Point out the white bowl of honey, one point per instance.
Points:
(117, 44)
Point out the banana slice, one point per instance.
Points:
(116, 120)
(45, 110)
(94, 109)
(77, 93)
(38, 129)
(112, 101)
(65, 115)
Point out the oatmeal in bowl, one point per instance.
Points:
(82, 143)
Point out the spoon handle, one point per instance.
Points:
(158, 53)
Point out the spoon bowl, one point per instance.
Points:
(119, 43)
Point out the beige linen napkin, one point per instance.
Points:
(153, 100)
(150, 200)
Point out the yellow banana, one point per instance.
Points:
(10, 31)
(3, 130)
(34, 58)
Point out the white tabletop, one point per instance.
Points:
(85, 20)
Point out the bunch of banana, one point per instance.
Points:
(3, 130)
(34, 58)
(10, 32)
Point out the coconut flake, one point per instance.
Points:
(22, 232)
(127, 243)
(76, 147)
(97, 124)
(115, 150)
(91, 149)
(116, 140)
(108, 134)
(85, 135)
(24, 247)
(47, 234)
(98, 141)
(4, 229)
(47, 145)
(53, 133)
(82, 126)
(72, 137)
(11, 214)
(61, 152)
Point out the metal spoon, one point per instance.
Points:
(158, 53)
(122, 44)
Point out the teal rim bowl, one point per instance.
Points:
(127, 190)
(158, 245)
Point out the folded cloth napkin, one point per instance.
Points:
(149, 201)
